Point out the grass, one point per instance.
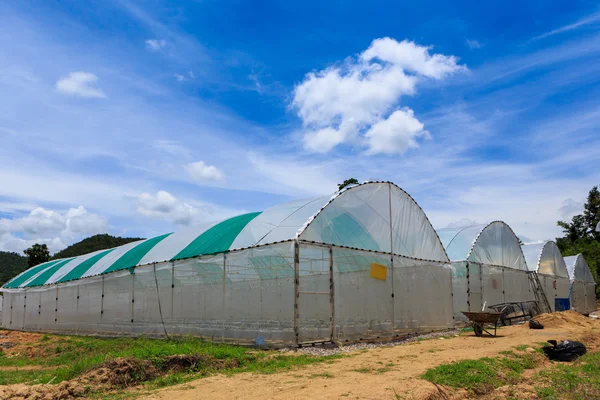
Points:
(60, 358)
(485, 374)
(578, 380)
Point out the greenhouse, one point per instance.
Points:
(546, 260)
(365, 263)
(488, 267)
(583, 286)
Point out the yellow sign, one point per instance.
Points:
(378, 271)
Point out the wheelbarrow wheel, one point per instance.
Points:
(478, 329)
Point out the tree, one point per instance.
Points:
(11, 264)
(584, 225)
(37, 254)
(581, 235)
(93, 243)
(347, 182)
(574, 230)
(591, 212)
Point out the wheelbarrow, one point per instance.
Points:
(480, 320)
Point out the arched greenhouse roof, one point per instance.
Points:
(491, 244)
(545, 258)
(578, 268)
(376, 216)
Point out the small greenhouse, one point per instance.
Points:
(365, 263)
(546, 260)
(488, 267)
(583, 286)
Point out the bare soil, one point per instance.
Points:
(375, 373)
(23, 343)
(112, 375)
(383, 373)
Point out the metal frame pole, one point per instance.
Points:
(296, 290)
(224, 296)
(332, 294)
(393, 320)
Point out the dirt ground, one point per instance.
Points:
(357, 377)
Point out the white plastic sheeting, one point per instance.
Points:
(492, 244)
(380, 218)
(583, 286)
(294, 291)
(488, 267)
(546, 260)
(279, 223)
(578, 268)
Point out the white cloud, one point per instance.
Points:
(473, 44)
(10, 242)
(411, 57)
(323, 140)
(396, 134)
(83, 84)
(52, 227)
(341, 103)
(183, 78)
(200, 171)
(569, 208)
(163, 205)
(155, 44)
(462, 223)
(591, 19)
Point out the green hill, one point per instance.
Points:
(93, 243)
(11, 264)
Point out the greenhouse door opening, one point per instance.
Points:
(314, 294)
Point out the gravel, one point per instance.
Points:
(329, 349)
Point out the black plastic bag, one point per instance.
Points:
(565, 351)
(535, 325)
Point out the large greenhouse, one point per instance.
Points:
(488, 267)
(583, 286)
(365, 263)
(546, 260)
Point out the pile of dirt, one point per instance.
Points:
(196, 362)
(120, 372)
(565, 318)
(64, 391)
(115, 374)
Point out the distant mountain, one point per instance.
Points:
(93, 243)
(11, 264)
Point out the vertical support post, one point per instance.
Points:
(503, 287)
(480, 266)
(132, 295)
(296, 290)
(393, 319)
(24, 309)
(56, 307)
(11, 308)
(331, 293)
(102, 301)
(468, 289)
(172, 290)
(39, 317)
(77, 313)
(224, 295)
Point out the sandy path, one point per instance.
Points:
(409, 362)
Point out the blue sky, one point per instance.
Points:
(137, 118)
